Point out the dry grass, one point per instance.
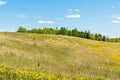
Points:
(62, 55)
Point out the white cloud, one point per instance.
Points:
(22, 16)
(73, 13)
(73, 16)
(116, 19)
(3, 2)
(45, 22)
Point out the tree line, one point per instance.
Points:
(64, 31)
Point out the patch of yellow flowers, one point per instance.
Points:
(7, 73)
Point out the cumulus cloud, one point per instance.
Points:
(116, 19)
(73, 16)
(73, 13)
(22, 16)
(45, 22)
(2, 2)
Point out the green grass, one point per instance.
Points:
(62, 55)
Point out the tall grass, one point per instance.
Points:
(61, 55)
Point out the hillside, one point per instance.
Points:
(62, 55)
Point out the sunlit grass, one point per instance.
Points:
(68, 57)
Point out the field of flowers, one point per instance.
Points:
(7, 73)
(26, 56)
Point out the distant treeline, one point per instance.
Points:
(74, 32)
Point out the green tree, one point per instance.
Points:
(103, 38)
(88, 35)
(96, 36)
(99, 37)
(63, 31)
(57, 31)
(82, 34)
(22, 29)
(40, 31)
(51, 31)
(69, 33)
(92, 36)
(34, 30)
(75, 32)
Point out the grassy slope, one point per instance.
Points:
(62, 55)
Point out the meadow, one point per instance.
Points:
(28, 56)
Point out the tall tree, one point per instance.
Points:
(63, 31)
(88, 35)
(75, 32)
(22, 29)
(34, 30)
(103, 38)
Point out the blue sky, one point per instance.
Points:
(98, 16)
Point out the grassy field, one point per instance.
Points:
(62, 57)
